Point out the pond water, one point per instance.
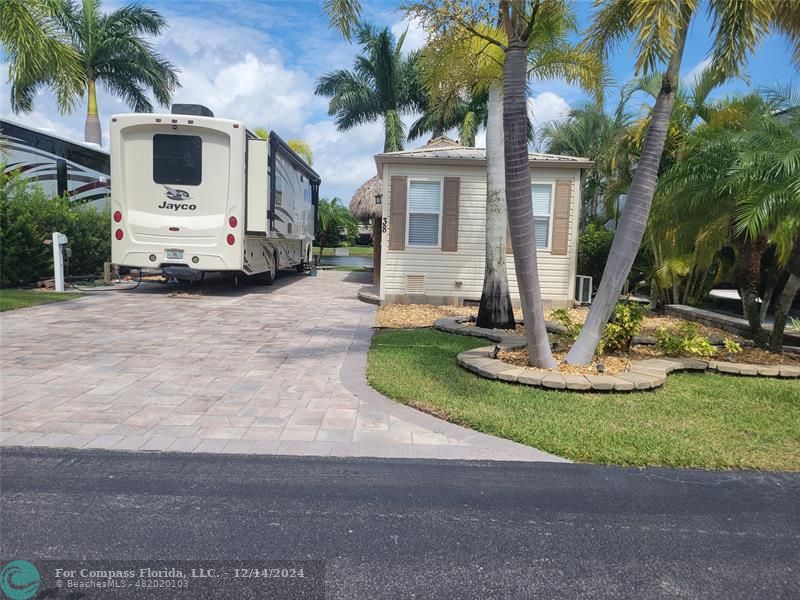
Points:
(347, 261)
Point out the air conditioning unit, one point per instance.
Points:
(583, 289)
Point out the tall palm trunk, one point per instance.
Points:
(520, 205)
(633, 221)
(786, 298)
(748, 277)
(92, 131)
(496, 311)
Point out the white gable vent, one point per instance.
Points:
(415, 284)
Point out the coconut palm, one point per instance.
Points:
(463, 110)
(112, 50)
(382, 84)
(660, 30)
(37, 50)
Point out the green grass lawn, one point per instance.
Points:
(354, 251)
(12, 299)
(696, 420)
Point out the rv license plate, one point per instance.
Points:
(173, 254)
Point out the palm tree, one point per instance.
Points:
(464, 110)
(300, 147)
(333, 218)
(343, 15)
(660, 30)
(590, 132)
(112, 50)
(37, 50)
(382, 83)
(473, 52)
(736, 183)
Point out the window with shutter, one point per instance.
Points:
(542, 195)
(424, 212)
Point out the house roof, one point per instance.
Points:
(446, 151)
(363, 205)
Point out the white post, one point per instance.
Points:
(59, 240)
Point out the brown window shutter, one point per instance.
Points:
(397, 213)
(452, 192)
(561, 209)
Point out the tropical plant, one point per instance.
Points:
(300, 147)
(594, 245)
(111, 49)
(465, 111)
(623, 327)
(343, 15)
(469, 52)
(588, 131)
(38, 50)
(660, 30)
(334, 222)
(748, 167)
(382, 84)
(28, 217)
(685, 339)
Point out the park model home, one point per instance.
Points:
(433, 219)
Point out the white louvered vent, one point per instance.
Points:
(415, 284)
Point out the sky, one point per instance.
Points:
(257, 61)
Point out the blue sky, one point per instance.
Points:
(258, 61)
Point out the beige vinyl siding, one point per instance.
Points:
(442, 270)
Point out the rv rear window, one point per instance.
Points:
(177, 159)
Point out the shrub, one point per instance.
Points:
(28, 217)
(562, 316)
(684, 340)
(731, 346)
(622, 328)
(594, 244)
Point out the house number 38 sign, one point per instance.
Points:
(385, 224)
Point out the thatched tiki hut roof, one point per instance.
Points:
(364, 207)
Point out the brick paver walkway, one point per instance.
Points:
(275, 370)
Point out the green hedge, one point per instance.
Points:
(594, 244)
(28, 217)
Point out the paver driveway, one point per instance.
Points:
(276, 370)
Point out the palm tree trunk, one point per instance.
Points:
(633, 220)
(786, 298)
(92, 130)
(520, 205)
(495, 311)
(748, 276)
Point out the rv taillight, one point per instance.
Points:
(233, 222)
(231, 239)
(117, 216)
(119, 234)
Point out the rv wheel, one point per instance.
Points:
(269, 276)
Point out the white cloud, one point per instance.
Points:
(691, 77)
(415, 37)
(344, 159)
(545, 107)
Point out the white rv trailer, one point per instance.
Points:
(62, 167)
(191, 194)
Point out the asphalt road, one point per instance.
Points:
(414, 529)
